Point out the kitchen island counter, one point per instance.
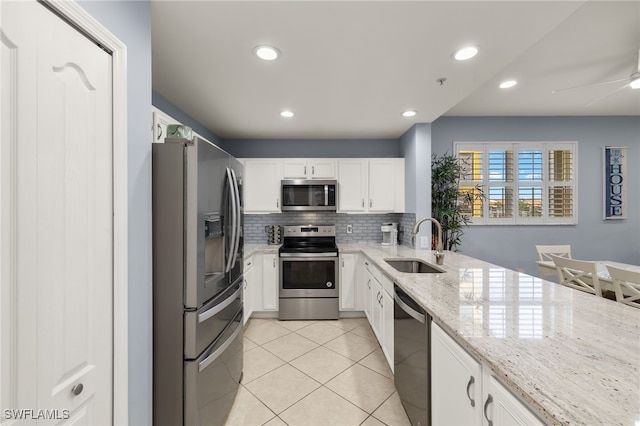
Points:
(570, 356)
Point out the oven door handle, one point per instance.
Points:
(306, 256)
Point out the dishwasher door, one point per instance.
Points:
(411, 327)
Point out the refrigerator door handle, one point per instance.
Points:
(234, 220)
(208, 360)
(237, 231)
(218, 308)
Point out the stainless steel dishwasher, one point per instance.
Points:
(411, 327)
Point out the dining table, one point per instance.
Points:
(547, 267)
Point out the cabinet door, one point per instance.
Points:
(382, 185)
(269, 282)
(262, 185)
(248, 293)
(376, 309)
(348, 282)
(352, 185)
(295, 169)
(368, 298)
(321, 169)
(456, 382)
(503, 408)
(386, 305)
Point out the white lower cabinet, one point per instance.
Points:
(502, 408)
(378, 300)
(464, 392)
(350, 284)
(251, 287)
(269, 282)
(456, 382)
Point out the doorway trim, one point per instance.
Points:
(79, 17)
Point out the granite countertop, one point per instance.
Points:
(573, 358)
(250, 249)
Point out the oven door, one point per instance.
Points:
(308, 277)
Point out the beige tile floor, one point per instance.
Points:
(316, 373)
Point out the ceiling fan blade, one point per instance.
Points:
(591, 85)
(606, 96)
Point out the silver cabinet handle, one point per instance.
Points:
(305, 170)
(313, 170)
(277, 202)
(370, 202)
(159, 131)
(274, 262)
(77, 389)
(363, 202)
(486, 406)
(343, 263)
(369, 284)
(472, 380)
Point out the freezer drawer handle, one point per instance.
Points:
(415, 314)
(218, 308)
(208, 360)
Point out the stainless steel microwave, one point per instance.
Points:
(309, 195)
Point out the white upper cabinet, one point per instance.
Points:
(352, 185)
(309, 169)
(371, 185)
(374, 185)
(262, 185)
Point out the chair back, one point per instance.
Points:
(626, 284)
(545, 252)
(578, 274)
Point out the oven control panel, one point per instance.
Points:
(309, 231)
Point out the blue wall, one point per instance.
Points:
(592, 238)
(311, 148)
(415, 147)
(131, 23)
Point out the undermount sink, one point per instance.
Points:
(414, 266)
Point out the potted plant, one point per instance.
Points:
(451, 205)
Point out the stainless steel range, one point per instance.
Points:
(309, 273)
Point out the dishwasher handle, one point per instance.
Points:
(397, 296)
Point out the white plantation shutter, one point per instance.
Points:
(525, 183)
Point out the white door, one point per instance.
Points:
(56, 230)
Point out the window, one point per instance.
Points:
(524, 183)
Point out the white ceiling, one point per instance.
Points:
(349, 68)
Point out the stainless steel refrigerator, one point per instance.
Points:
(197, 282)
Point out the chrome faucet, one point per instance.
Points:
(439, 248)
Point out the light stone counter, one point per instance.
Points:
(250, 249)
(573, 358)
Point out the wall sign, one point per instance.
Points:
(615, 185)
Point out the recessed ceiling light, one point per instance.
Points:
(465, 53)
(409, 113)
(267, 53)
(507, 84)
(287, 114)
(635, 84)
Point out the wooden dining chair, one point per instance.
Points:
(626, 284)
(544, 253)
(578, 274)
